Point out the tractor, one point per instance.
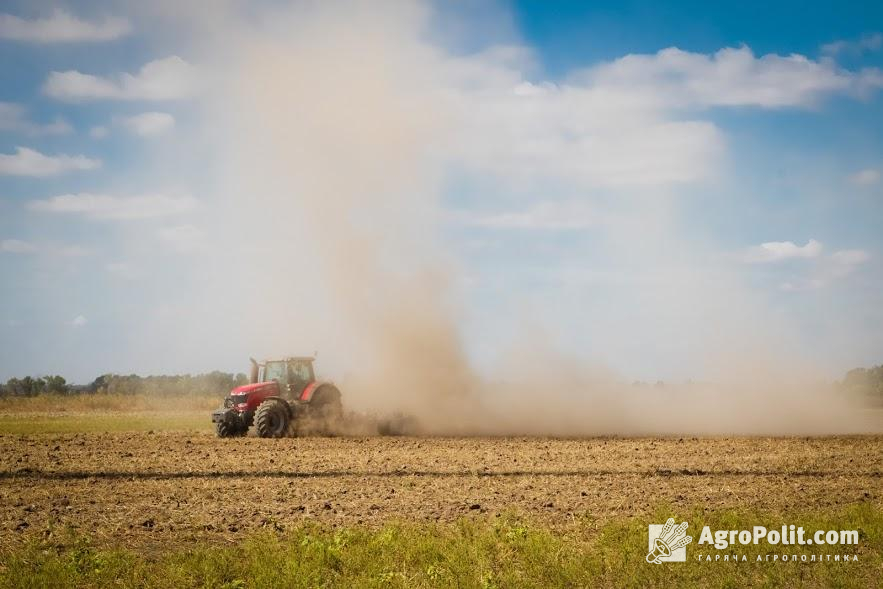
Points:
(280, 393)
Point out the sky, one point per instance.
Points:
(638, 185)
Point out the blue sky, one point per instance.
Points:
(634, 183)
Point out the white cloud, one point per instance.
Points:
(16, 246)
(13, 117)
(865, 177)
(28, 162)
(777, 251)
(149, 123)
(78, 321)
(61, 27)
(849, 258)
(635, 122)
(183, 238)
(170, 78)
(98, 132)
(871, 42)
(107, 207)
(585, 135)
(547, 215)
(731, 77)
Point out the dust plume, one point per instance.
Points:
(330, 128)
(333, 126)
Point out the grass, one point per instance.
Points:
(105, 422)
(60, 414)
(505, 552)
(99, 402)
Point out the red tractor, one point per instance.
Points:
(281, 393)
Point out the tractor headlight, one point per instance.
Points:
(239, 399)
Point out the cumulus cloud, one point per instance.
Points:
(778, 251)
(16, 246)
(731, 77)
(170, 78)
(149, 123)
(62, 27)
(28, 162)
(13, 117)
(866, 177)
(634, 122)
(107, 207)
(585, 134)
(869, 42)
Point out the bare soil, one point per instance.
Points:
(144, 488)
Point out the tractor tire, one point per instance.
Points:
(326, 402)
(271, 419)
(325, 415)
(228, 430)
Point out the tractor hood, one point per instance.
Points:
(257, 386)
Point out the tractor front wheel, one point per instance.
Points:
(271, 419)
(228, 430)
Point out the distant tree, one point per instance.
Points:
(56, 384)
(14, 387)
(25, 387)
(867, 382)
(99, 385)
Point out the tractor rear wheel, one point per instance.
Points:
(271, 419)
(325, 415)
(326, 402)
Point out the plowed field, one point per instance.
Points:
(166, 488)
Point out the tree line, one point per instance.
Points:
(859, 381)
(865, 381)
(213, 383)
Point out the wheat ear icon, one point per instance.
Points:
(671, 538)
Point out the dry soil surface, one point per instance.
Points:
(161, 488)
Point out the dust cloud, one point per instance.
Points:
(329, 127)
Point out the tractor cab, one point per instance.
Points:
(292, 374)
